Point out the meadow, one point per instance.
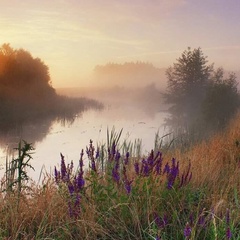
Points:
(116, 193)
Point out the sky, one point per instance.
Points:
(73, 36)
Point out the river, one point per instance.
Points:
(50, 138)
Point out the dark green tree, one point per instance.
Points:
(188, 79)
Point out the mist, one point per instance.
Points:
(137, 85)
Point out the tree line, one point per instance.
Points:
(129, 74)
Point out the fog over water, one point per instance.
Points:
(140, 112)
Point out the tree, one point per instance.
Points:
(187, 84)
(26, 92)
(199, 97)
(222, 99)
(25, 85)
(22, 76)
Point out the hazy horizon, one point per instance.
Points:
(72, 37)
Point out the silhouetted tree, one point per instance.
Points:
(22, 76)
(187, 84)
(26, 91)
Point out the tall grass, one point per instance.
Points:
(117, 193)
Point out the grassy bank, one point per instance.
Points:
(113, 194)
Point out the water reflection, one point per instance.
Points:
(34, 130)
(54, 135)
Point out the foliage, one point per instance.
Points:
(222, 99)
(16, 170)
(199, 97)
(26, 91)
(187, 83)
(21, 73)
(16, 175)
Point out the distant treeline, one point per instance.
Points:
(26, 91)
(130, 74)
(127, 68)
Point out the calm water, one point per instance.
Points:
(52, 138)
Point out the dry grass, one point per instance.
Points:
(216, 163)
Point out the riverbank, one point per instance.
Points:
(167, 194)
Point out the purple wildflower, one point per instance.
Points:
(93, 165)
(228, 233)
(158, 167)
(117, 156)
(187, 231)
(81, 154)
(71, 167)
(173, 173)
(76, 206)
(182, 181)
(81, 161)
(170, 181)
(166, 168)
(185, 179)
(150, 159)
(115, 175)
(160, 222)
(157, 219)
(77, 200)
(228, 217)
(97, 153)
(158, 238)
(112, 152)
(201, 221)
(145, 168)
(71, 188)
(126, 158)
(126, 181)
(191, 219)
(74, 183)
(90, 150)
(159, 154)
(56, 174)
(127, 185)
(80, 181)
(63, 168)
(113, 148)
(136, 167)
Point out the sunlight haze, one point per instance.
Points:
(72, 37)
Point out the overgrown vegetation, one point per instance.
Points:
(202, 100)
(115, 194)
(26, 92)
